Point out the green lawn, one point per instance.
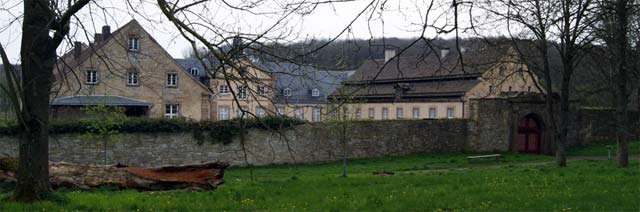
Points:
(600, 149)
(583, 186)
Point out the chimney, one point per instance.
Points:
(388, 54)
(106, 32)
(444, 52)
(77, 49)
(237, 41)
(97, 38)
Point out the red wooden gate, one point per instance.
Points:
(529, 135)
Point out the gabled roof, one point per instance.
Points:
(431, 75)
(92, 100)
(69, 61)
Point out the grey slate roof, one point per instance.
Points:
(188, 63)
(98, 100)
(302, 80)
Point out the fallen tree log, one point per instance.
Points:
(204, 176)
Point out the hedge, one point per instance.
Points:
(218, 131)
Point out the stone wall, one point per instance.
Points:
(303, 144)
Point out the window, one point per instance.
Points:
(260, 111)
(432, 113)
(509, 88)
(223, 113)
(194, 71)
(242, 92)
(92, 76)
(529, 89)
(133, 43)
(385, 113)
(358, 113)
(132, 78)
(450, 112)
(315, 92)
(316, 114)
(298, 113)
(416, 113)
(287, 92)
(399, 113)
(224, 89)
(172, 79)
(490, 88)
(280, 110)
(171, 111)
(372, 113)
(261, 90)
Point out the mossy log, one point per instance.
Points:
(206, 176)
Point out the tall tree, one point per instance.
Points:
(44, 26)
(575, 36)
(614, 28)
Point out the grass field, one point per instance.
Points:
(583, 186)
(600, 149)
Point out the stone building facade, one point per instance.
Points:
(128, 68)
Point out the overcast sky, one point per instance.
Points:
(397, 18)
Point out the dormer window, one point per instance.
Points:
(287, 92)
(194, 71)
(133, 43)
(261, 90)
(315, 92)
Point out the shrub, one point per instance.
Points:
(216, 131)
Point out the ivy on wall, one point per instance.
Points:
(212, 131)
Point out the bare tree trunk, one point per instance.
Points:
(38, 58)
(621, 97)
(561, 158)
(552, 132)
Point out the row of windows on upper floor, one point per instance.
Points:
(261, 90)
(133, 78)
(172, 111)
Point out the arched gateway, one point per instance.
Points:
(530, 134)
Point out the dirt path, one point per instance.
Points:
(534, 163)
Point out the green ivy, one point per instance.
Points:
(213, 131)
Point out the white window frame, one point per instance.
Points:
(133, 43)
(372, 113)
(297, 112)
(385, 113)
(415, 112)
(433, 113)
(399, 113)
(194, 71)
(358, 113)
(223, 113)
(280, 111)
(223, 89)
(171, 110)
(451, 112)
(172, 79)
(261, 89)
(315, 92)
(316, 114)
(242, 92)
(91, 76)
(133, 78)
(287, 92)
(260, 112)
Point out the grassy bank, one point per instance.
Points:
(583, 186)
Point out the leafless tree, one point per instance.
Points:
(45, 24)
